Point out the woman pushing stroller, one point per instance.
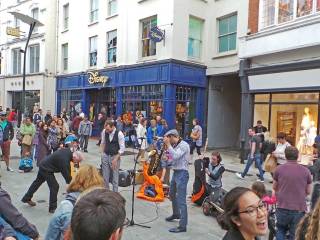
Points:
(214, 171)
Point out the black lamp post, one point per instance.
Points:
(32, 24)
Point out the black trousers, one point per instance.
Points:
(84, 139)
(193, 146)
(42, 177)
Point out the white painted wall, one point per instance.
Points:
(45, 37)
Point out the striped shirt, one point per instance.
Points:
(180, 156)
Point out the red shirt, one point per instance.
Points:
(12, 116)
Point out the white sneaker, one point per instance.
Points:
(239, 176)
(10, 169)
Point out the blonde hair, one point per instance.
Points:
(313, 224)
(87, 177)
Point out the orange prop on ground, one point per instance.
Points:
(151, 180)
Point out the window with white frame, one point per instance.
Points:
(149, 47)
(112, 7)
(286, 10)
(66, 16)
(112, 46)
(227, 37)
(195, 37)
(16, 61)
(94, 10)
(35, 15)
(34, 57)
(93, 51)
(16, 22)
(64, 51)
(275, 12)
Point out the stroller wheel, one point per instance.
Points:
(206, 208)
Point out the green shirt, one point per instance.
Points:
(3, 124)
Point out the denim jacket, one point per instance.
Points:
(61, 218)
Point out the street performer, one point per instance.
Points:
(59, 161)
(180, 152)
(112, 146)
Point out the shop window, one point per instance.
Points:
(16, 61)
(148, 46)
(35, 15)
(304, 7)
(65, 56)
(66, 16)
(112, 7)
(71, 101)
(93, 52)
(262, 98)
(286, 9)
(94, 8)
(195, 37)
(268, 12)
(112, 46)
(296, 97)
(261, 112)
(227, 33)
(34, 54)
(299, 122)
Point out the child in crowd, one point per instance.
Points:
(25, 164)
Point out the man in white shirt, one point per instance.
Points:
(279, 153)
(112, 146)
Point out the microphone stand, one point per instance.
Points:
(132, 223)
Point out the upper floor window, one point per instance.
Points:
(34, 53)
(195, 37)
(93, 51)
(149, 47)
(112, 7)
(112, 46)
(227, 33)
(66, 16)
(94, 10)
(64, 51)
(281, 11)
(35, 15)
(16, 22)
(16, 61)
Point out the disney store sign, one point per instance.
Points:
(95, 78)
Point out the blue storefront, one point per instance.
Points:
(174, 89)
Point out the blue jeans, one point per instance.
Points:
(287, 220)
(178, 196)
(257, 159)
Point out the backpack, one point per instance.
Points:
(25, 164)
(1, 135)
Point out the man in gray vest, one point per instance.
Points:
(179, 151)
(112, 146)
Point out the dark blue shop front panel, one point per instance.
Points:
(188, 75)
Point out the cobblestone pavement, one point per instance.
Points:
(200, 227)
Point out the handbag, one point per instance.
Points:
(27, 140)
(270, 163)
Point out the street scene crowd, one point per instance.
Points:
(93, 210)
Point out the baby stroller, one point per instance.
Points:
(213, 208)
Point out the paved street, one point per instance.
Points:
(200, 227)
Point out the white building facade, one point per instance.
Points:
(281, 70)
(40, 61)
(170, 78)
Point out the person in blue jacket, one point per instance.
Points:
(152, 132)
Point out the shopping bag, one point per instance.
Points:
(27, 140)
(270, 163)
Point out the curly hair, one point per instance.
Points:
(309, 226)
(87, 176)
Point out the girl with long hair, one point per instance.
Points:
(87, 177)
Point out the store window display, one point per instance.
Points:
(295, 114)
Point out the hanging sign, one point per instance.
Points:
(95, 78)
(13, 31)
(156, 34)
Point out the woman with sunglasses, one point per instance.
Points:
(245, 215)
